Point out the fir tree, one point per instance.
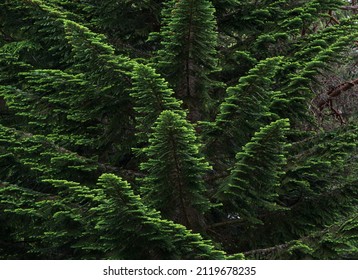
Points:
(155, 238)
(245, 109)
(109, 73)
(252, 187)
(126, 23)
(188, 52)
(81, 88)
(151, 96)
(175, 181)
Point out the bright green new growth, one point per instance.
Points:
(109, 104)
(105, 225)
(245, 109)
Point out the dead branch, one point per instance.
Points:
(332, 18)
(323, 101)
(349, 8)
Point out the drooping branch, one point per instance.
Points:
(102, 167)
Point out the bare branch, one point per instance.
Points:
(349, 8)
(325, 100)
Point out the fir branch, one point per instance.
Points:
(102, 167)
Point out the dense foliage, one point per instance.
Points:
(178, 129)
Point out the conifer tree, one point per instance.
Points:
(155, 238)
(188, 52)
(175, 181)
(151, 96)
(108, 72)
(39, 27)
(81, 88)
(245, 109)
(318, 181)
(252, 187)
(110, 216)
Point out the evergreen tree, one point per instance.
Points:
(188, 52)
(151, 96)
(175, 181)
(251, 191)
(85, 84)
(245, 109)
(52, 228)
(252, 188)
(109, 106)
(155, 238)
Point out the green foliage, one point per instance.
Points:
(245, 109)
(108, 73)
(53, 227)
(126, 22)
(154, 237)
(188, 52)
(40, 24)
(318, 180)
(339, 241)
(151, 96)
(227, 121)
(29, 159)
(175, 181)
(251, 190)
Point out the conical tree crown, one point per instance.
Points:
(175, 181)
(188, 52)
(252, 187)
(151, 96)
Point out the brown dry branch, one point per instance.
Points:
(332, 19)
(350, 8)
(325, 100)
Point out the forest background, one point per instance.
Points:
(178, 129)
